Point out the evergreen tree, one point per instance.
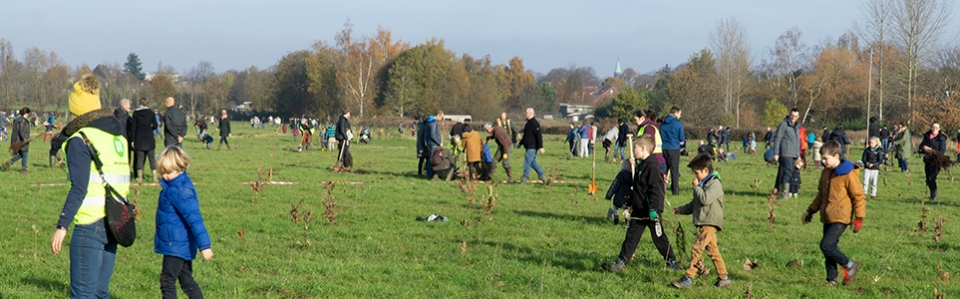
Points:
(134, 66)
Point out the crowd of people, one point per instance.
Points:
(654, 143)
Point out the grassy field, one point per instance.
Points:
(537, 241)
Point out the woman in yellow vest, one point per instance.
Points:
(92, 251)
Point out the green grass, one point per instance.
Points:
(539, 241)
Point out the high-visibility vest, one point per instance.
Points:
(507, 126)
(116, 171)
(658, 149)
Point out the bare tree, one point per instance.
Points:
(788, 58)
(918, 26)
(362, 62)
(875, 18)
(729, 41)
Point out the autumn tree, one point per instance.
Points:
(694, 88)
(362, 60)
(291, 92)
(513, 79)
(161, 87)
(836, 86)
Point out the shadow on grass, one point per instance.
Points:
(578, 218)
(570, 260)
(46, 284)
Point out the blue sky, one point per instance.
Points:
(237, 34)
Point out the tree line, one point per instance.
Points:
(893, 64)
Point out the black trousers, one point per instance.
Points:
(831, 252)
(140, 155)
(174, 269)
(785, 172)
(635, 231)
(673, 165)
(932, 171)
(223, 139)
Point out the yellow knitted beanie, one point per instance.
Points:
(85, 96)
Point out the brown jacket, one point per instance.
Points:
(473, 146)
(840, 196)
(503, 139)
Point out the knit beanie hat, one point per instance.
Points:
(85, 96)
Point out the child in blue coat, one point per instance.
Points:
(180, 230)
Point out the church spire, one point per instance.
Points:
(617, 72)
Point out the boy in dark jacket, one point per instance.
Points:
(179, 226)
(707, 210)
(646, 202)
(838, 200)
(872, 159)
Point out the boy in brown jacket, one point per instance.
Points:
(839, 198)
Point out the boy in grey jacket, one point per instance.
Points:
(707, 210)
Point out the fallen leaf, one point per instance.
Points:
(748, 265)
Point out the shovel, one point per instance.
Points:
(593, 182)
(339, 164)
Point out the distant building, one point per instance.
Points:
(457, 118)
(575, 111)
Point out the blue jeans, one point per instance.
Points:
(92, 254)
(619, 151)
(831, 253)
(530, 160)
(885, 142)
(22, 156)
(903, 165)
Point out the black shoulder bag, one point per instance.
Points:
(120, 221)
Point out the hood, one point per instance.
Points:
(101, 119)
(647, 121)
(714, 175)
(178, 181)
(431, 119)
(845, 167)
(670, 120)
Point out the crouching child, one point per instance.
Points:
(707, 210)
(839, 199)
(646, 203)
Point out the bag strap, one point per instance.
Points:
(95, 157)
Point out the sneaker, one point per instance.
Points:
(850, 273)
(673, 265)
(723, 283)
(872, 197)
(6, 166)
(832, 283)
(683, 282)
(616, 266)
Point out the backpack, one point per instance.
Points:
(437, 157)
(486, 158)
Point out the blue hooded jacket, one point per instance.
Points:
(671, 131)
(180, 230)
(431, 136)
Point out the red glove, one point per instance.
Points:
(857, 225)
